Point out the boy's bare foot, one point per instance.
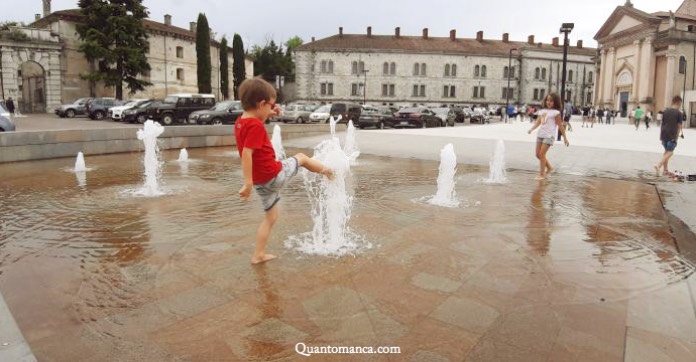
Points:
(262, 258)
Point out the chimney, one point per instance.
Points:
(506, 37)
(369, 31)
(397, 32)
(340, 31)
(167, 19)
(479, 35)
(46, 8)
(453, 35)
(530, 40)
(425, 33)
(37, 17)
(580, 44)
(192, 26)
(555, 41)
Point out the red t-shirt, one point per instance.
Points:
(250, 133)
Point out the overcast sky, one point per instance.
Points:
(259, 21)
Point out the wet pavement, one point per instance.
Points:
(571, 268)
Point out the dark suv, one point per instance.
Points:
(177, 107)
(347, 111)
(141, 113)
(97, 108)
(225, 112)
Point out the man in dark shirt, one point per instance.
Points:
(672, 119)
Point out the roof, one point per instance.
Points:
(618, 13)
(666, 15)
(688, 8)
(418, 44)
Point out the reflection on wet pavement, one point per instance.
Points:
(529, 270)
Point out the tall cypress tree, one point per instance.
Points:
(238, 67)
(203, 55)
(114, 39)
(224, 69)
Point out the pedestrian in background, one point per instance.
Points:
(672, 119)
(10, 106)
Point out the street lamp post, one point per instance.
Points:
(566, 28)
(365, 86)
(507, 90)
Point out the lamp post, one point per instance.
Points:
(566, 28)
(365, 86)
(507, 90)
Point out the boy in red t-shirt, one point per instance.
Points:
(260, 168)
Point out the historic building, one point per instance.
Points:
(44, 71)
(407, 70)
(646, 59)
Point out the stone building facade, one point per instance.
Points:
(30, 69)
(646, 59)
(172, 58)
(411, 70)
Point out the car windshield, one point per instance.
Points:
(132, 103)
(411, 110)
(171, 100)
(323, 109)
(81, 101)
(440, 110)
(223, 106)
(143, 105)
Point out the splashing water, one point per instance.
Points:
(80, 163)
(350, 147)
(148, 135)
(446, 196)
(497, 174)
(183, 155)
(332, 124)
(331, 207)
(277, 142)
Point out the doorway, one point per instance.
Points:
(623, 103)
(32, 88)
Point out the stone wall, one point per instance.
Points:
(27, 146)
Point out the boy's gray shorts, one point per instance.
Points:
(270, 191)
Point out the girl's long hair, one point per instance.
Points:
(556, 101)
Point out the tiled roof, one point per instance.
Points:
(417, 44)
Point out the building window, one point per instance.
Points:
(445, 92)
(180, 74)
(422, 69)
(422, 91)
(180, 52)
(483, 72)
(476, 92)
(542, 94)
(322, 89)
(416, 69)
(537, 74)
(354, 68)
(323, 66)
(512, 72)
(682, 65)
(447, 70)
(536, 93)
(415, 91)
(507, 93)
(361, 67)
(392, 68)
(479, 92)
(331, 66)
(392, 89)
(448, 92)
(477, 71)
(570, 76)
(590, 77)
(385, 68)
(385, 89)
(356, 89)
(543, 73)
(454, 70)
(505, 72)
(326, 89)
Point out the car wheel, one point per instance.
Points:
(167, 119)
(142, 119)
(98, 115)
(70, 113)
(299, 120)
(381, 125)
(217, 121)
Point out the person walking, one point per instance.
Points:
(609, 115)
(550, 120)
(672, 119)
(10, 106)
(637, 116)
(648, 119)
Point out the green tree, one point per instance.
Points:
(115, 41)
(238, 66)
(204, 66)
(224, 69)
(293, 43)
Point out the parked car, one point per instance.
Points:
(98, 108)
(418, 117)
(378, 117)
(6, 124)
(297, 113)
(77, 108)
(3, 109)
(177, 107)
(141, 113)
(464, 115)
(116, 113)
(479, 115)
(347, 111)
(225, 112)
(321, 114)
(446, 114)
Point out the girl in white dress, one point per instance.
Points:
(551, 121)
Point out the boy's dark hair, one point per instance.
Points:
(556, 100)
(253, 91)
(677, 99)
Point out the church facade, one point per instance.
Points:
(646, 59)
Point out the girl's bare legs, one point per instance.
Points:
(544, 165)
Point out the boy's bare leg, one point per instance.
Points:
(262, 234)
(314, 165)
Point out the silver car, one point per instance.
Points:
(6, 124)
(297, 113)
